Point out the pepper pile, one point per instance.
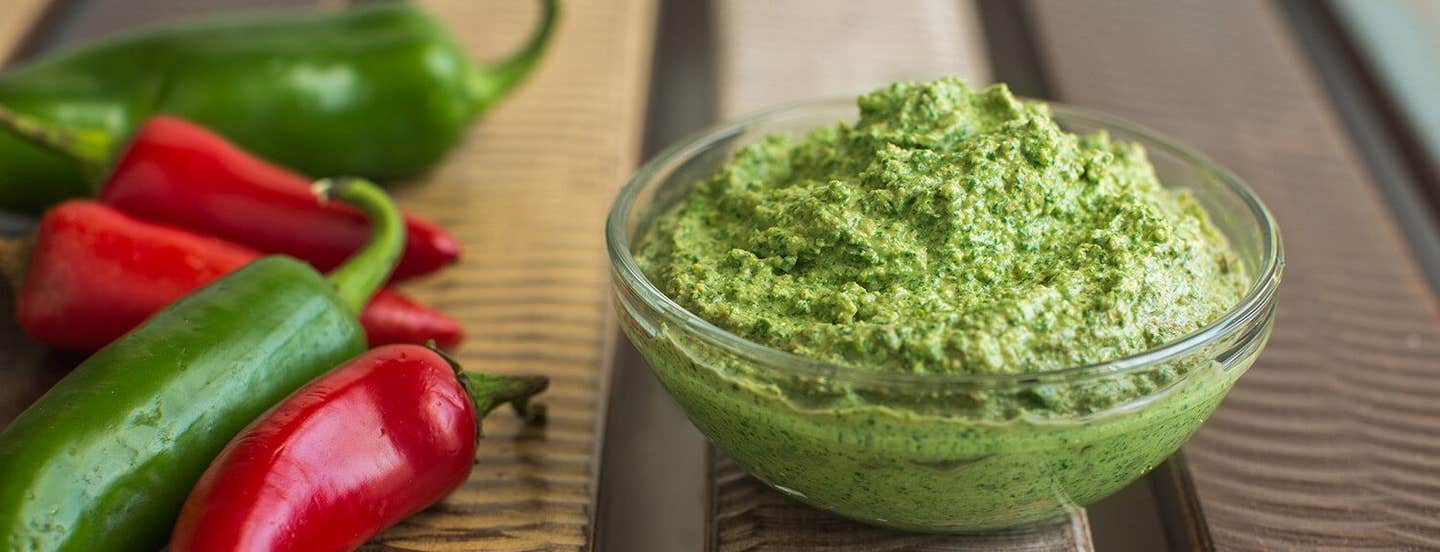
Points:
(181, 207)
(231, 389)
(95, 273)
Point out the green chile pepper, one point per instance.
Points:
(381, 91)
(105, 459)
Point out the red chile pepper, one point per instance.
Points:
(180, 173)
(357, 450)
(391, 317)
(95, 273)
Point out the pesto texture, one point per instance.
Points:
(948, 230)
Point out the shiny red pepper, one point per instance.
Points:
(180, 173)
(93, 273)
(357, 450)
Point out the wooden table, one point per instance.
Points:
(1332, 441)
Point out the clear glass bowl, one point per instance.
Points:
(940, 452)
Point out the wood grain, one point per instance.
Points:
(751, 516)
(774, 52)
(1332, 441)
(19, 18)
(527, 194)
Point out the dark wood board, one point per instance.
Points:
(1333, 439)
(653, 483)
(751, 516)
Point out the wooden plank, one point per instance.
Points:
(527, 195)
(774, 52)
(751, 516)
(654, 483)
(654, 478)
(20, 17)
(1330, 440)
(1178, 506)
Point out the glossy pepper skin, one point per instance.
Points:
(176, 172)
(381, 91)
(354, 452)
(182, 174)
(93, 273)
(104, 460)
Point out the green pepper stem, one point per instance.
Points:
(488, 391)
(363, 273)
(89, 148)
(488, 84)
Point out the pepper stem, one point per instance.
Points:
(89, 148)
(489, 84)
(364, 272)
(488, 391)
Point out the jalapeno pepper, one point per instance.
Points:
(92, 273)
(104, 460)
(381, 91)
(352, 453)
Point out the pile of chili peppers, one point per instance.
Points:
(231, 402)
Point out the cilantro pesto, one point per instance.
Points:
(945, 250)
(948, 230)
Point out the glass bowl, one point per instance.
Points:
(940, 452)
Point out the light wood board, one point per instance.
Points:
(769, 53)
(527, 194)
(18, 18)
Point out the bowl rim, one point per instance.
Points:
(1258, 298)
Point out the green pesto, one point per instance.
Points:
(949, 230)
(902, 464)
